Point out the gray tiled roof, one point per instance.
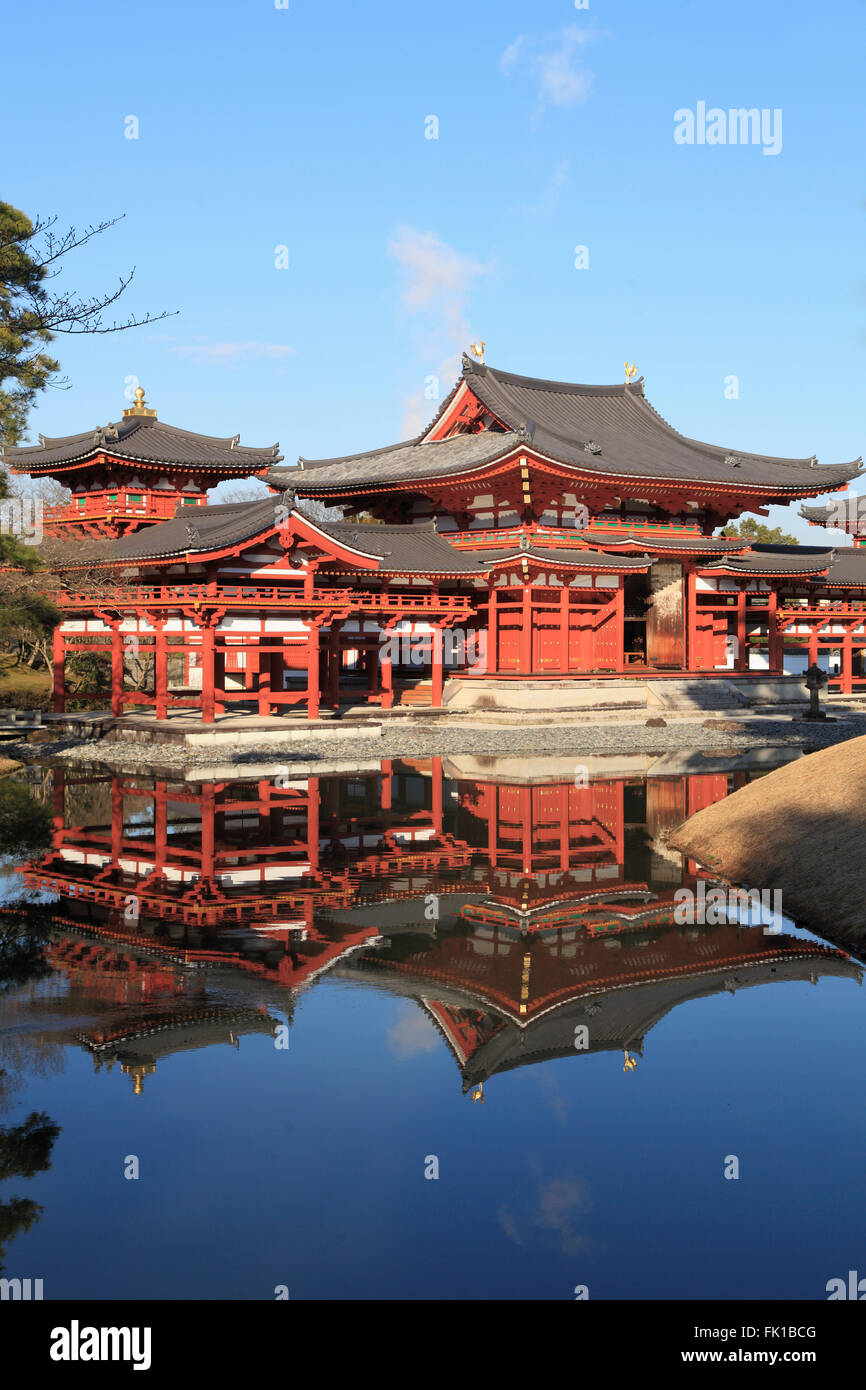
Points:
(700, 544)
(632, 436)
(776, 559)
(423, 550)
(147, 440)
(821, 515)
(399, 549)
(399, 462)
(602, 430)
(196, 530)
(849, 567)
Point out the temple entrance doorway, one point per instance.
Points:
(637, 602)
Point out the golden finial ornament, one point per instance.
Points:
(478, 350)
(478, 1093)
(141, 407)
(630, 372)
(630, 1062)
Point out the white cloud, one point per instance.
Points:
(205, 352)
(554, 62)
(412, 1034)
(436, 284)
(511, 57)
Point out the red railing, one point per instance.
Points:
(555, 536)
(141, 503)
(261, 594)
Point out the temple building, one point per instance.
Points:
(537, 531)
(135, 473)
(846, 514)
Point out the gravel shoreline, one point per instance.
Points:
(420, 741)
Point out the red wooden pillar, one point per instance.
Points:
(492, 629)
(116, 670)
(619, 623)
(813, 645)
(776, 644)
(59, 656)
(742, 662)
(207, 674)
(313, 823)
(692, 620)
(313, 692)
(563, 628)
(160, 674)
(436, 793)
(526, 629)
(436, 661)
(847, 684)
(387, 669)
(265, 664)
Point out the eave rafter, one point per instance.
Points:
(591, 488)
(102, 459)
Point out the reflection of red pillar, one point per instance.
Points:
(58, 797)
(160, 826)
(313, 823)
(59, 655)
(491, 797)
(207, 831)
(620, 823)
(386, 784)
(436, 799)
(116, 817)
(207, 674)
(116, 670)
(526, 829)
(564, 827)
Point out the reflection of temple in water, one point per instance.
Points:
(529, 918)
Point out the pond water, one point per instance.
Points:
(438, 1030)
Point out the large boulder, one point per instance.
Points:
(801, 829)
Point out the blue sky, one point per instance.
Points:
(261, 127)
